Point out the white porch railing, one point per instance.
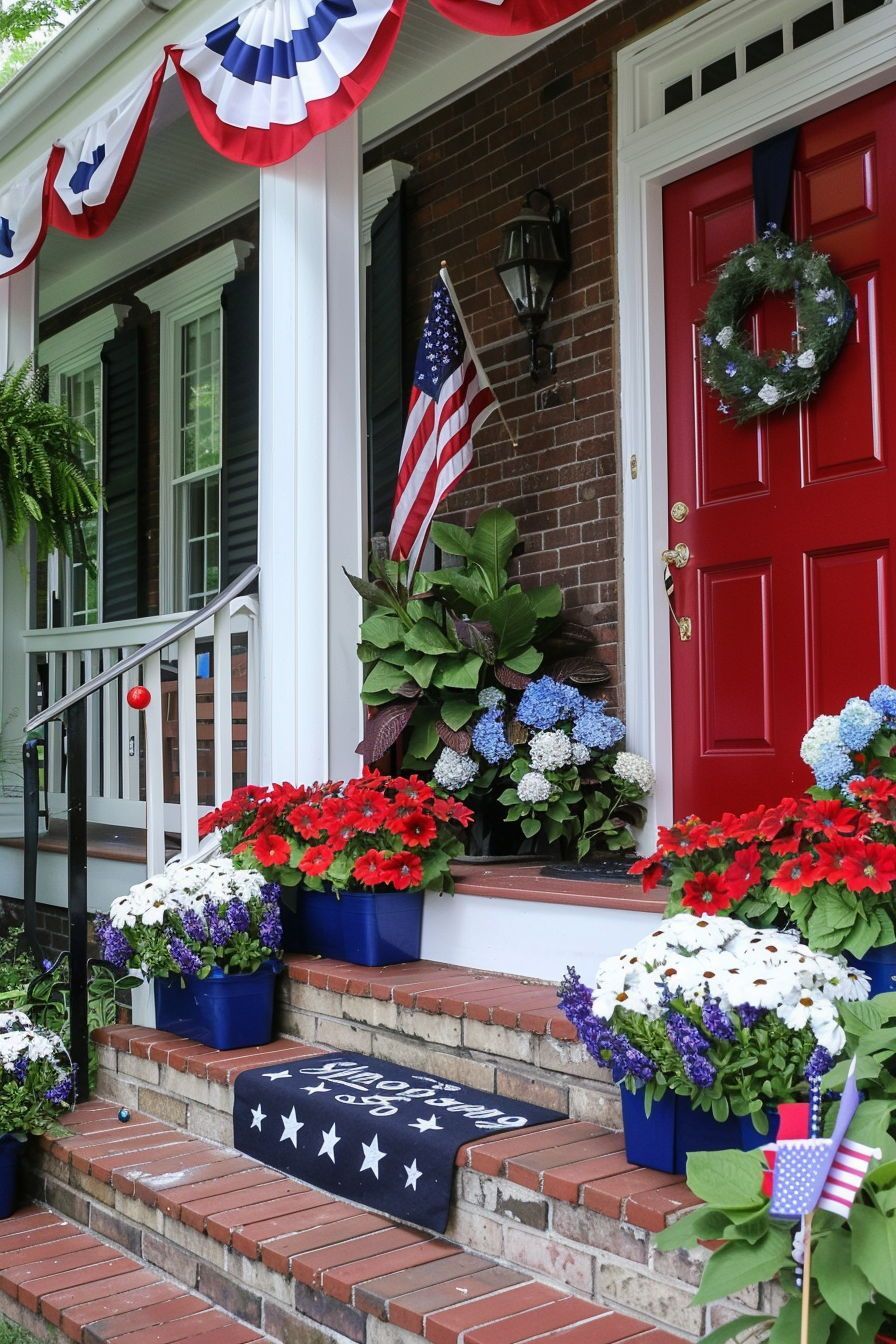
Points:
(159, 769)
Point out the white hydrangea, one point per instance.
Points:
(453, 771)
(581, 755)
(769, 394)
(824, 732)
(752, 263)
(533, 788)
(725, 337)
(635, 769)
(550, 750)
(490, 697)
(806, 359)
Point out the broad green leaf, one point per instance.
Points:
(422, 668)
(701, 1224)
(874, 1247)
(786, 1329)
(492, 543)
(527, 662)
(427, 637)
(727, 1179)
(382, 630)
(511, 619)
(530, 826)
(460, 673)
(451, 539)
(870, 1320)
(457, 713)
(384, 677)
(369, 591)
(470, 588)
(841, 1284)
(729, 1329)
(424, 739)
(546, 602)
(738, 1264)
(860, 1017)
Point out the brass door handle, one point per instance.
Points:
(677, 555)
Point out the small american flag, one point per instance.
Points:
(809, 1173)
(451, 398)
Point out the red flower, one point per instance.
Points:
(369, 812)
(306, 821)
(745, 870)
(316, 860)
(403, 870)
(829, 815)
(795, 874)
(334, 810)
(871, 869)
(707, 893)
(650, 870)
(369, 868)
(414, 829)
(271, 851)
(412, 790)
(212, 821)
(339, 836)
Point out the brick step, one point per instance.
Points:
(279, 1255)
(559, 1201)
(54, 1273)
(495, 1032)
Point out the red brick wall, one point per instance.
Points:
(547, 121)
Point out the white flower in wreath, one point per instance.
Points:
(823, 295)
(725, 337)
(769, 394)
(806, 359)
(752, 263)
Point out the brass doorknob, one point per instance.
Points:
(677, 556)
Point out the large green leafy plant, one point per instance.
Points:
(853, 1286)
(430, 648)
(42, 479)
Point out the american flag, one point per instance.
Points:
(451, 398)
(810, 1173)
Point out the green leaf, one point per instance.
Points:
(492, 543)
(727, 1179)
(423, 739)
(729, 1329)
(512, 621)
(786, 1329)
(384, 677)
(460, 673)
(874, 1247)
(382, 630)
(369, 591)
(527, 662)
(426, 637)
(530, 826)
(841, 1284)
(738, 1265)
(546, 602)
(451, 539)
(422, 668)
(457, 713)
(701, 1224)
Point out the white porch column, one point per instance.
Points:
(18, 327)
(311, 462)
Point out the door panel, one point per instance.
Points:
(791, 518)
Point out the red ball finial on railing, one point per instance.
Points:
(138, 697)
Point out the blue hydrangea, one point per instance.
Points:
(883, 699)
(847, 791)
(547, 702)
(859, 721)
(489, 737)
(595, 729)
(831, 765)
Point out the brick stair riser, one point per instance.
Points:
(247, 1289)
(519, 1064)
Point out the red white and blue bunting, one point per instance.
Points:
(259, 87)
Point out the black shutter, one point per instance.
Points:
(121, 475)
(239, 463)
(385, 360)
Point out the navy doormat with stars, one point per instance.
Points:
(370, 1131)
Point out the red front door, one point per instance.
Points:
(791, 520)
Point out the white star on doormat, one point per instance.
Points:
(257, 1116)
(414, 1174)
(291, 1127)
(373, 1155)
(425, 1126)
(285, 1073)
(321, 1087)
(330, 1140)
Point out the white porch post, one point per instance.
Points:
(311, 462)
(18, 326)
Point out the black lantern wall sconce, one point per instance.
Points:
(535, 254)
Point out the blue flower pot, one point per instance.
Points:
(367, 928)
(227, 1012)
(663, 1139)
(879, 964)
(10, 1152)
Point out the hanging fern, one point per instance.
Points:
(42, 479)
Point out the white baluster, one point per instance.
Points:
(253, 735)
(155, 780)
(186, 743)
(130, 735)
(111, 696)
(89, 668)
(54, 729)
(223, 705)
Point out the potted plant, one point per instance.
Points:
(42, 478)
(36, 1086)
(209, 935)
(707, 1024)
(362, 852)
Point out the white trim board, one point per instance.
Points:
(835, 69)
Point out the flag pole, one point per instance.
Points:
(807, 1279)
(443, 272)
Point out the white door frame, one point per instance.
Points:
(856, 59)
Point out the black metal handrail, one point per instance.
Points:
(73, 709)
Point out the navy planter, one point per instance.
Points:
(879, 964)
(227, 1012)
(10, 1151)
(367, 928)
(674, 1128)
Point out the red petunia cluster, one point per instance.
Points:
(374, 831)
